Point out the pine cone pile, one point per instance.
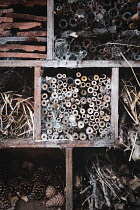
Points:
(56, 201)
(31, 181)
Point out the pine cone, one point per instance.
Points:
(50, 192)
(57, 200)
(13, 187)
(38, 191)
(39, 175)
(3, 190)
(25, 187)
(4, 203)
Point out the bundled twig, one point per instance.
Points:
(16, 115)
(104, 185)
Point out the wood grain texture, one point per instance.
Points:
(69, 179)
(4, 40)
(37, 103)
(6, 20)
(67, 64)
(22, 55)
(27, 17)
(28, 48)
(114, 100)
(50, 29)
(19, 25)
(5, 33)
(31, 34)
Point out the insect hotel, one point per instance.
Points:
(69, 104)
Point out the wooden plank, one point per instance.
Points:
(3, 11)
(19, 25)
(4, 33)
(37, 103)
(6, 20)
(68, 64)
(27, 17)
(4, 40)
(69, 179)
(22, 55)
(114, 100)
(28, 48)
(50, 29)
(4, 3)
(31, 33)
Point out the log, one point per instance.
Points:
(20, 25)
(22, 55)
(28, 48)
(4, 40)
(4, 3)
(32, 33)
(6, 19)
(5, 33)
(27, 17)
(3, 11)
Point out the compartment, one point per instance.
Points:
(76, 104)
(23, 32)
(129, 110)
(96, 30)
(32, 179)
(104, 179)
(16, 103)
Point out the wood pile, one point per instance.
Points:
(23, 29)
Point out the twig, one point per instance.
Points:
(131, 68)
(133, 147)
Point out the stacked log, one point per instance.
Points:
(23, 29)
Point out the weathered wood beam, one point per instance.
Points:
(50, 29)
(68, 64)
(31, 34)
(37, 103)
(6, 20)
(114, 100)
(4, 40)
(19, 25)
(69, 179)
(28, 48)
(27, 17)
(22, 55)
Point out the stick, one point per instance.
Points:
(133, 147)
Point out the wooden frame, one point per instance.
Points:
(50, 62)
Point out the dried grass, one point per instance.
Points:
(16, 115)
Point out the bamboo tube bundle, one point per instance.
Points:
(75, 107)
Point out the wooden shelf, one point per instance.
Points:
(30, 143)
(68, 64)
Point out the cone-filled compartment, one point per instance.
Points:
(105, 179)
(23, 32)
(129, 111)
(96, 30)
(16, 103)
(32, 179)
(76, 104)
